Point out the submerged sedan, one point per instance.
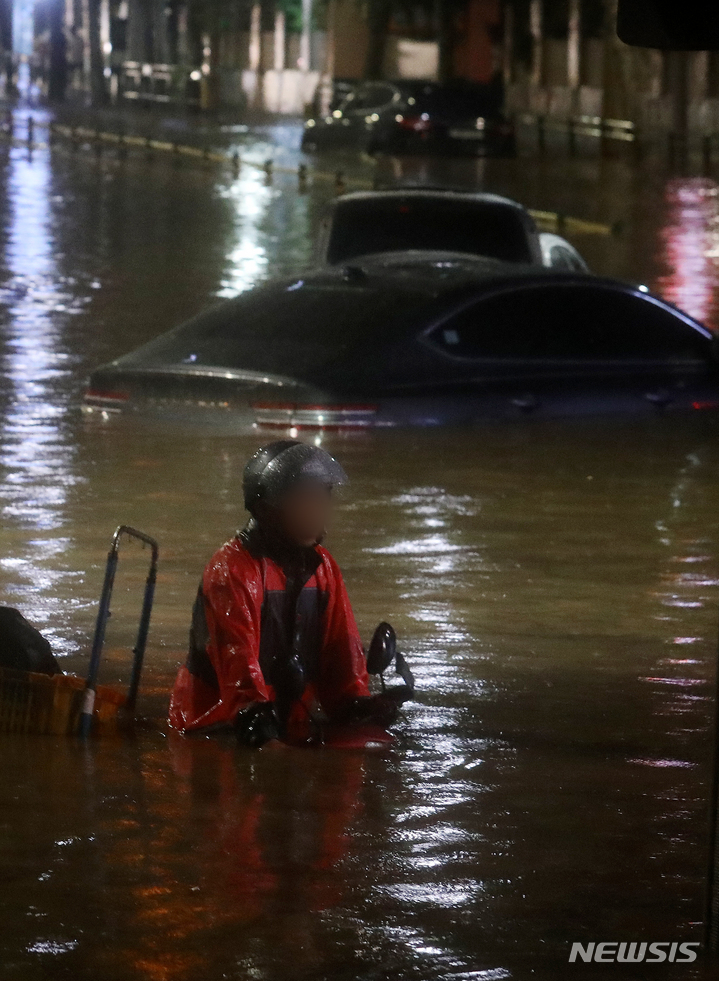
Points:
(392, 341)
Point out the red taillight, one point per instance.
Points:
(705, 405)
(106, 400)
(289, 415)
(107, 395)
(417, 124)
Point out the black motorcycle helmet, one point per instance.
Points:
(274, 468)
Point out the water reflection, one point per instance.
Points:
(688, 582)
(247, 260)
(247, 856)
(691, 247)
(272, 229)
(37, 451)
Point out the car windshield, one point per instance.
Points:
(364, 227)
(293, 331)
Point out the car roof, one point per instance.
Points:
(445, 275)
(425, 286)
(338, 321)
(437, 193)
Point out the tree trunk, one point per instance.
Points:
(614, 98)
(57, 77)
(160, 39)
(679, 88)
(6, 57)
(378, 17)
(306, 37)
(536, 29)
(508, 46)
(210, 84)
(94, 61)
(136, 32)
(446, 10)
(326, 86)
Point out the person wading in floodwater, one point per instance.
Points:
(274, 647)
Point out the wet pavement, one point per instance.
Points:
(553, 586)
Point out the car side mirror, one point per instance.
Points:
(382, 649)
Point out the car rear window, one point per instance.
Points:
(295, 330)
(366, 227)
(570, 321)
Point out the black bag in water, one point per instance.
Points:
(22, 646)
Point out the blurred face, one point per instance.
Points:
(302, 513)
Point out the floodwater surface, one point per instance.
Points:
(554, 587)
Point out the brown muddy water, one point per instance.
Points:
(554, 587)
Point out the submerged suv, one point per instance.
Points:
(439, 221)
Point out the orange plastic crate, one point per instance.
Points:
(51, 704)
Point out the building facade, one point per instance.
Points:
(557, 58)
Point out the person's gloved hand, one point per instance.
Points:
(385, 709)
(257, 724)
(382, 709)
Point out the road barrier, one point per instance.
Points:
(598, 127)
(78, 136)
(553, 221)
(99, 140)
(606, 130)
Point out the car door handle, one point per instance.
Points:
(525, 402)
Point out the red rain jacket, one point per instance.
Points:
(239, 608)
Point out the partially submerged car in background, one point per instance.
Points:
(339, 89)
(420, 219)
(456, 118)
(401, 342)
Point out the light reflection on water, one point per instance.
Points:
(691, 244)
(247, 261)
(37, 452)
(549, 783)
